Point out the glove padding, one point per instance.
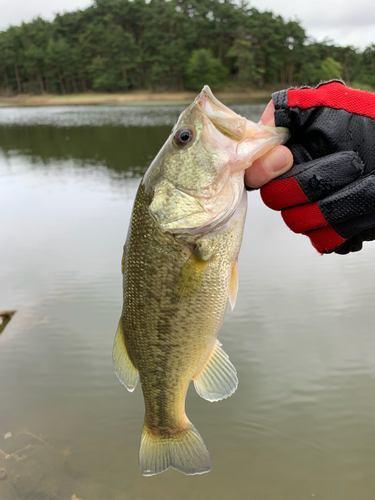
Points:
(329, 193)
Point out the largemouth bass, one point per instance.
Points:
(180, 269)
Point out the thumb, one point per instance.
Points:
(278, 161)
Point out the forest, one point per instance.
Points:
(160, 45)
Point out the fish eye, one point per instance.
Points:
(183, 136)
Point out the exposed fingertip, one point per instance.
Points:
(265, 169)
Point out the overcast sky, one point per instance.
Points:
(347, 22)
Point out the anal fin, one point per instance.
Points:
(124, 368)
(218, 378)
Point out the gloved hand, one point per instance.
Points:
(329, 193)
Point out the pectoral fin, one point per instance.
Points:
(218, 378)
(233, 285)
(190, 279)
(124, 368)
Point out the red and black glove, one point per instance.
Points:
(329, 193)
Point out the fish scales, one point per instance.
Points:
(180, 269)
(172, 338)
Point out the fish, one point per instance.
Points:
(180, 269)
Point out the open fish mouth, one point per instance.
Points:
(229, 123)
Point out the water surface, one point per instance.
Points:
(302, 423)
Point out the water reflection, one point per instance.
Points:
(126, 151)
(301, 337)
(124, 139)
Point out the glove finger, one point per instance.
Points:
(352, 209)
(311, 181)
(325, 240)
(304, 218)
(348, 211)
(363, 224)
(340, 222)
(353, 244)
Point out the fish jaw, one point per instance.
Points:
(258, 145)
(229, 123)
(252, 140)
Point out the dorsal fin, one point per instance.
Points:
(218, 378)
(124, 368)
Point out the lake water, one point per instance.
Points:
(302, 422)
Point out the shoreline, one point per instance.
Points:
(140, 98)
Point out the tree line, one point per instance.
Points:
(119, 45)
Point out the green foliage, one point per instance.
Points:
(243, 55)
(363, 86)
(204, 69)
(330, 69)
(171, 44)
(309, 74)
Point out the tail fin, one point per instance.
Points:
(184, 451)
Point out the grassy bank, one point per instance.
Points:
(130, 98)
